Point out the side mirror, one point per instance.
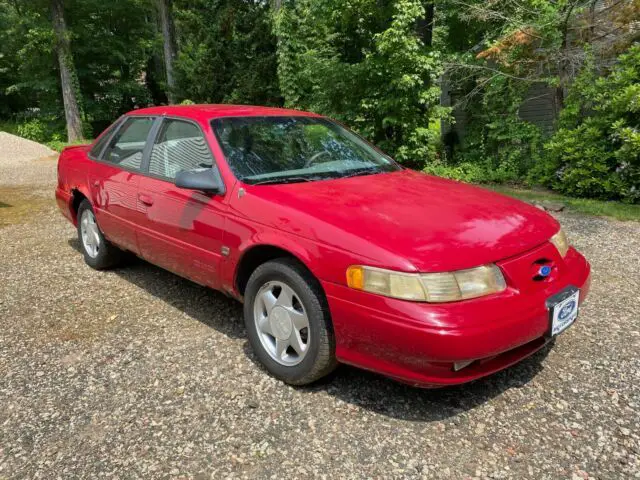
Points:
(203, 179)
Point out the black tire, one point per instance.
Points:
(320, 358)
(108, 255)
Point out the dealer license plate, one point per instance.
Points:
(563, 310)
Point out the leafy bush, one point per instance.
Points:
(596, 151)
(44, 129)
(498, 146)
(472, 172)
(34, 129)
(227, 52)
(361, 62)
(58, 144)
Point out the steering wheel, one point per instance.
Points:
(314, 158)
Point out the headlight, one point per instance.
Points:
(561, 243)
(428, 287)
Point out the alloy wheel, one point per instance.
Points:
(282, 323)
(90, 233)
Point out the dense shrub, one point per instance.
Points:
(472, 172)
(226, 52)
(361, 62)
(596, 151)
(41, 129)
(33, 130)
(498, 146)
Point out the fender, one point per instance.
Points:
(81, 189)
(304, 250)
(72, 178)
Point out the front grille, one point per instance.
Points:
(542, 269)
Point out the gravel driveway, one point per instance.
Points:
(138, 373)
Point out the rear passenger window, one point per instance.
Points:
(180, 146)
(125, 148)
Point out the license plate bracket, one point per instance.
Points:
(563, 310)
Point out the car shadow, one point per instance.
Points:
(384, 396)
(354, 386)
(203, 304)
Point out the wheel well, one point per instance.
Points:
(78, 197)
(255, 257)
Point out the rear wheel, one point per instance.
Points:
(98, 252)
(288, 322)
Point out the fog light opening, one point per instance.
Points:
(457, 366)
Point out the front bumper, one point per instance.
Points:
(418, 343)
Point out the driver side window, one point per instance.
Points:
(126, 147)
(179, 146)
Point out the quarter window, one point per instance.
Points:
(126, 147)
(180, 146)
(99, 146)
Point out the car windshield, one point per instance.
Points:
(263, 150)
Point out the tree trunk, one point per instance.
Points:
(165, 7)
(276, 5)
(563, 74)
(67, 72)
(424, 25)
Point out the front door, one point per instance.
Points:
(182, 229)
(114, 179)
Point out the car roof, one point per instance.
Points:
(209, 112)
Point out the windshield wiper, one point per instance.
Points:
(362, 171)
(283, 180)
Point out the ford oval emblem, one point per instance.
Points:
(567, 310)
(544, 271)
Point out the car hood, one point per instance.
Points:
(434, 223)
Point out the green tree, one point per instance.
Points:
(28, 66)
(227, 52)
(596, 151)
(165, 9)
(363, 62)
(113, 42)
(68, 76)
(496, 50)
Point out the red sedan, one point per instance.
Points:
(338, 253)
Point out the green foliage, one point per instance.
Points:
(497, 50)
(596, 151)
(59, 144)
(498, 145)
(9, 126)
(371, 64)
(497, 138)
(111, 44)
(471, 172)
(227, 52)
(40, 128)
(489, 85)
(33, 130)
(361, 61)
(27, 65)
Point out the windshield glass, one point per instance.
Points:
(295, 149)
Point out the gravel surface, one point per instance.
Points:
(138, 373)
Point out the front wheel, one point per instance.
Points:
(288, 322)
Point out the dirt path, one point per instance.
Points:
(136, 372)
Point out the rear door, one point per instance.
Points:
(181, 230)
(114, 178)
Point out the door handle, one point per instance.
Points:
(146, 199)
(96, 183)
